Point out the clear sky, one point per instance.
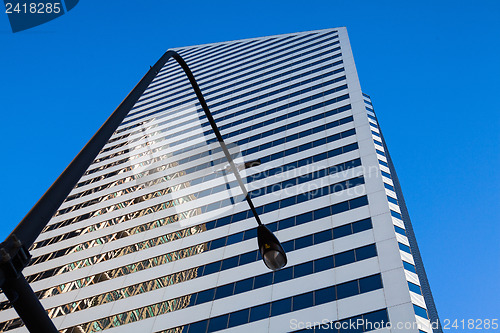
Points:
(432, 69)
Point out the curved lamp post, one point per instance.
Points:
(14, 254)
(270, 248)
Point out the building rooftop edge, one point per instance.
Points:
(255, 38)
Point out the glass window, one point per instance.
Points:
(323, 264)
(399, 230)
(358, 202)
(396, 215)
(239, 216)
(247, 258)
(252, 150)
(335, 152)
(304, 218)
(283, 275)
(287, 202)
(392, 200)
(217, 323)
(277, 155)
(350, 147)
(260, 312)
(288, 246)
(320, 157)
(303, 269)
(205, 296)
(404, 248)
(366, 252)
(212, 268)
(354, 163)
(415, 288)
(250, 233)
(320, 213)
(385, 174)
(389, 187)
(263, 280)
(281, 306)
(192, 299)
(271, 207)
(235, 238)
(264, 159)
(342, 231)
(307, 177)
(323, 236)
(303, 242)
(375, 319)
(347, 289)
(229, 263)
(362, 225)
(243, 285)
(198, 327)
(224, 291)
(305, 146)
(273, 188)
(223, 221)
(302, 301)
(409, 267)
(238, 318)
(303, 197)
(272, 226)
(291, 151)
(210, 225)
(287, 223)
(266, 146)
(218, 243)
(420, 311)
(370, 283)
(344, 258)
(340, 207)
(324, 295)
(340, 187)
(383, 163)
(279, 141)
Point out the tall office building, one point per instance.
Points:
(157, 237)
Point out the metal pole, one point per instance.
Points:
(216, 131)
(27, 306)
(14, 250)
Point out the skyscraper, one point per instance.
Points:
(157, 237)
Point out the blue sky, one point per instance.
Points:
(432, 69)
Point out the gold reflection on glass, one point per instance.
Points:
(120, 271)
(137, 314)
(121, 193)
(124, 292)
(121, 251)
(92, 243)
(86, 216)
(125, 204)
(167, 306)
(143, 287)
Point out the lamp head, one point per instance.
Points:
(270, 248)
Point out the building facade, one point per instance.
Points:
(157, 237)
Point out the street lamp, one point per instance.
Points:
(270, 248)
(14, 254)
